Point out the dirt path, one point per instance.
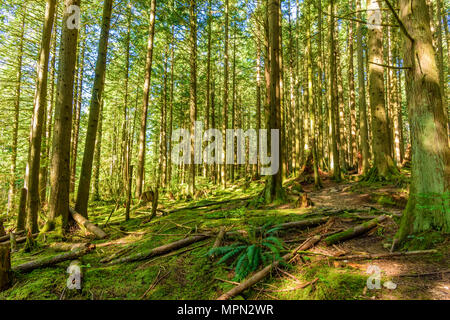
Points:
(343, 196)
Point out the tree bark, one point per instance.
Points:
(363, 125)
(383, 163)
(147, 85)
(430, 175)
(40, 105)
(94, 112)
(5, 267)
(60, 169)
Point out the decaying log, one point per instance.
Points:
(355, 231)
(384, 255)
(219, 238)
(61, 246)
(5, 267)
(266, 271)
(161, 250)
(8, 236)
(46, 262)
(209, 204)
(82, 221)
(20, 239)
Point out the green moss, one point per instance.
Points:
(423, 241)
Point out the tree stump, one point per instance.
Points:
(303, 201)
(5, 267)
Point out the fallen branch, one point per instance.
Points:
(266, 271)
(384, 255)
(424, 274)
(82, 221)
(46, 262)
(300, 286)
(287, 225)
(354, 231)
(161, 250)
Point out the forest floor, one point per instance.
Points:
(189, 273)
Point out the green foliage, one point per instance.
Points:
(260, 247)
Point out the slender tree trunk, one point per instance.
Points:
(192, 89)
(363, 126)
(97, 158)
(60, 169)
(147, 84)
(225, 100)
(309, 57)
(94, 112)
(15, 133)
(352, 98)
(333, 97)
(274, 184)
(40, 105)
(47, 129)
(77, 118)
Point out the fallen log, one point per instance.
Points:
(7, 237)
(21, 239)
(354, 231)
(208, 204)
(384, 255)
(61, 246)
(266, 271)
(46, 262)
(161, 250)
(5, 267)
(219, 238)
(82, 221)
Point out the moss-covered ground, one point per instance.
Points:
(189, 273)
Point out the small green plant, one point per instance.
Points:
(260, 247)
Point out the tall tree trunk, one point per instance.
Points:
(274, 183)
(147, 84)
(363, 125)
(333, 109)
(77, 117)
(40, 104)
(383, 163)
(427, 207)
(309, 58)
(98, 154)
(60, 169)
(352, 98)
(94, 112)
(225, 100)
(192, 89)
(15, 133)
(47, 129)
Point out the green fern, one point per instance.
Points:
(261, 247)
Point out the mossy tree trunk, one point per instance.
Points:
(428, 206)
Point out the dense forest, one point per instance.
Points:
(206, 149)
